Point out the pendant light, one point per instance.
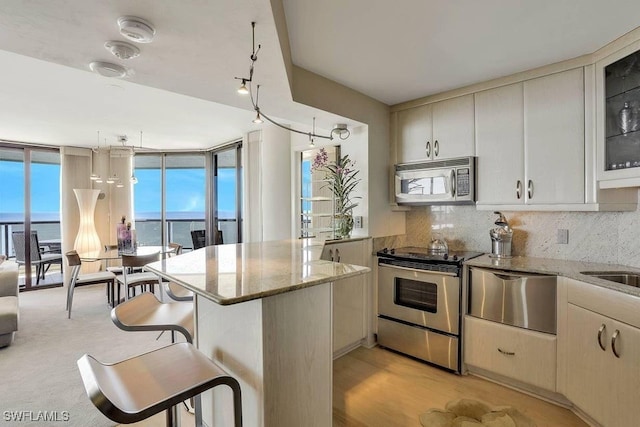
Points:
(94, 176)
(133, 178)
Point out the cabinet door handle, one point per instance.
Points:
(452, 178)
(428, 149)
(436, 148)
(614, 338)
(518, 189)
(331, 254)
(530, 189)
(600, 332)
(506, 353)
(338, 254)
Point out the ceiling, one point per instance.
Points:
(183, 93)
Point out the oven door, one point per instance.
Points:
(425, 298)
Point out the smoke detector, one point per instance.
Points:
(136, 29)
(109, 69)
(122, 50)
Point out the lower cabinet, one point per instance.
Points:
(349, 296)
(520, 354)
(603, 369)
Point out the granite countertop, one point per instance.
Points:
(235, 273)
(559, 267)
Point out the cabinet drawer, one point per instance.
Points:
(523, 355)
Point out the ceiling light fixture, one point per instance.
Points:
(340, 130)
(122, 50)
(136, 29)
(108, 69)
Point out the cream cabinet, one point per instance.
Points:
(530, 142)
(602, 353)
(519, 354)
(436, 131)
(349, 296)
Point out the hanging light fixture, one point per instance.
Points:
(94, 176)
(340, 130)
(133, 178)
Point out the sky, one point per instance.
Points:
(185, 192)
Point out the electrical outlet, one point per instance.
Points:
(563, 236)
(357, 222)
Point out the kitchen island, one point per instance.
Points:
(263, 311)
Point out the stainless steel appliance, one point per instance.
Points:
(419, 295)
(518, 299)
(450, 181)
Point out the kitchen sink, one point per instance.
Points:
(626, 278)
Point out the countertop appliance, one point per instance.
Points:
(450, 181)
(419, 296)
(525, 300)
(501, 238)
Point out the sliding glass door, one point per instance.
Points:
(169, 198)
(178, 193)
(30, 213)
(228, 194)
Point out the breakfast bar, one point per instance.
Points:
(264, 312)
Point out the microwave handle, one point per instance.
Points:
(452, 177)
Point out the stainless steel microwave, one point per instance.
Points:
(451, 181)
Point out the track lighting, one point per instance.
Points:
(339, 129)
(242, 90)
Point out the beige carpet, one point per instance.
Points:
(473, 413)
(38, 372)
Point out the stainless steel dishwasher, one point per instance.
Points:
(525, 300)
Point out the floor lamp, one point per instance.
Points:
(87, 240)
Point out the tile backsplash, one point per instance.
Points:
(608, 237)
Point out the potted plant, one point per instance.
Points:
(342, 178)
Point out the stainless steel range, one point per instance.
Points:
(419, 295)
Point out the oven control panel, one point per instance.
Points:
(421, 265)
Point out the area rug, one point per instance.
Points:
(473, 413)
(39, 376)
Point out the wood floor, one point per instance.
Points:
(379, 388)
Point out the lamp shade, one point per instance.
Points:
(87, 239)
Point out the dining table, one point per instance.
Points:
(115, 254)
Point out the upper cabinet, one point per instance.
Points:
(618, 118)
(530, 142)
(437, 131)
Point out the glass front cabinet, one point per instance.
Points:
(618, 118)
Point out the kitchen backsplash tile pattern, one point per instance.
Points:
(608, 237)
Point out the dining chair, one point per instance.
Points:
(86, 279)
(40, 258)
(198, 238)
(131, 279)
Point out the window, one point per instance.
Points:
(31, 175)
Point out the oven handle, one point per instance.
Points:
(438, 273)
